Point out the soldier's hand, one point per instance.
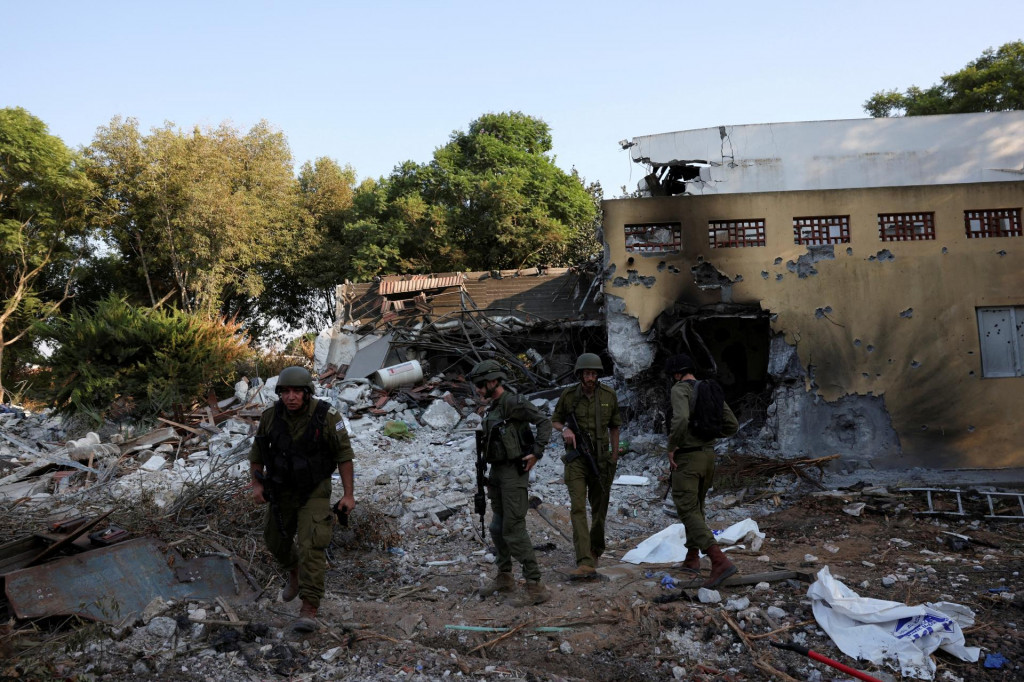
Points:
(569, 437)
(348, 503)
(257, 493)
(530, 461)
(672, 459)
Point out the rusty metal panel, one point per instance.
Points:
(405, 284)
(117, 582)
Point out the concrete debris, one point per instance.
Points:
(429, 558)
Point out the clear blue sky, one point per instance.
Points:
(373, 84)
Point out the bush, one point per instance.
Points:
(130, 360)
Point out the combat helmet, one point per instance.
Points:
(485, 371)
(588, 361)
(679, 364)
(294, 377)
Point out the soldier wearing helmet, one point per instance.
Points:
(299, 443)
(511, 450)
(691, 458)
(596, 409)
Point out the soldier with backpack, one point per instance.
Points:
(700, 416)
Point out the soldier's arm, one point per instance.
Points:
(558, 423)
(341, 448)
(256, 465)
(680, 418)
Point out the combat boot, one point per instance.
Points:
(583, 571)
(692, 560)
(503, 582)
(721, 567)
(306, 622)
(291, 590)
(534, 593)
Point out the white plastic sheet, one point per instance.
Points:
(887, 632)
(669, 545)
(630, 480)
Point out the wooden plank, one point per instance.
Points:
(196, 432)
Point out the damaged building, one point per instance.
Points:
(856, 285)
(536, 320)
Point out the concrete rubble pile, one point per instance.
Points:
(415, 449)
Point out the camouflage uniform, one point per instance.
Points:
(595, 417)
(505, 425)
(310, 519)
(695, 468)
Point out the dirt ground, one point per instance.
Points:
(397, 614)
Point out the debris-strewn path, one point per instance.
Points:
(402, 601)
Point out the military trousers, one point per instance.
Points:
(691, 480)
(584, 487)
(306, 533)
(510, 500)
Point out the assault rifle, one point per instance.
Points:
(584, 448)
(480, 498)
(271, 497)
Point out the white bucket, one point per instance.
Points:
(405, 374)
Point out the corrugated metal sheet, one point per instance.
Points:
(555, 295)
(406, 283)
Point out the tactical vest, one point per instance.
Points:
(300, 464)
(507, 439)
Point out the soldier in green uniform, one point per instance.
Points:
(511, 451)
(597, 413)
(692, 461)
(299, 443)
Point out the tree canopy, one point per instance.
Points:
(490, 198)
(198, 217)
(992, 82)
(44, 193)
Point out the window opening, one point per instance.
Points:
(992, 222)
(906, 227)
(818, 230)
(1001, 332)
(736, 233)
(654, 238)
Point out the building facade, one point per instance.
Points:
(883, 322)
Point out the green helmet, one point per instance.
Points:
(588, 361)
(487, 370)
(294, 376)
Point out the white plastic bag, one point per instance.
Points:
(669, 545)
(876, 630)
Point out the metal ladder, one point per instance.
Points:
(991, 507)
(931, 508)
(960, 505)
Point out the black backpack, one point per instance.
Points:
(706, 404)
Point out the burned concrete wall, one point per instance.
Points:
(890, 325)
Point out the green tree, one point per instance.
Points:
(137, 360)
(300, 291)
(992, 82)
(199, 217)
(506, 203)
(44, 193)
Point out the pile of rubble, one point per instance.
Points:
(402, 598)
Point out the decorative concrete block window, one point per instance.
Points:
(906, 227)
(653, 238)
(1001, 331)
(817, 230)
(992, 222)
(732, 233)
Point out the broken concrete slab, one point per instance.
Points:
(441, 415)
